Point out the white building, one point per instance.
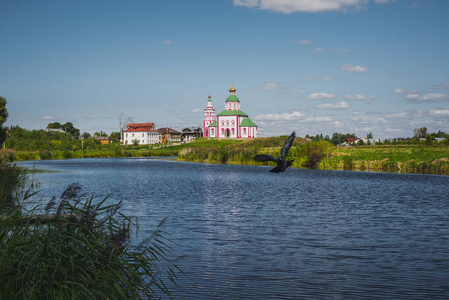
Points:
(142, 133)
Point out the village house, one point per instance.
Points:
(189, 134)
(168, 135)
(140, 133)
(103, 139)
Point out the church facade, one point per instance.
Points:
(230, 123)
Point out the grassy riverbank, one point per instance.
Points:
(388, 158)
(321, 155)
(113, 151)
(405, 158)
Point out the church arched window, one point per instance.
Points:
(222, 123)
(227, 122)
(232, 122)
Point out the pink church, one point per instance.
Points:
(230, 123)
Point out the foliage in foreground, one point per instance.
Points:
(80, 250)
(12, 179)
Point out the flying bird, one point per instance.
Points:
(282, 164)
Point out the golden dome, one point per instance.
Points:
(232, 89)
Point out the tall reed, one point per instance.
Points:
(77, 249)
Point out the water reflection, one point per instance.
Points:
(301, 234)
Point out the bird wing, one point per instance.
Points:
(264, 157)
(288, 144)
(276, 170)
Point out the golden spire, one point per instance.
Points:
(232, 89)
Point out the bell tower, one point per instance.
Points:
(209, 117)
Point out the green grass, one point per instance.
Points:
(397, 158)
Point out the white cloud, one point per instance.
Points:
(368, 120)
(439, 113)
(339, 105)
(296, 115)
(399, 91)
(292, 6)
(302, 41)
(305, 42)
(321, 96)
(196, 110)
(359, 97)
(317, 119)
(320, 49)
(167, 42)
(344, 50)
(412, 96)
(351, 68)
(47, 118)
(440, 86)
(431, 97)
(328, 78)
(270, 86)
(412, 114)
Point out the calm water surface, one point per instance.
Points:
(302, 234)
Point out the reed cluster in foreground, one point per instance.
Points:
(77, 249)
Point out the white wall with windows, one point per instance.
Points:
(228, 126)
(142, 137)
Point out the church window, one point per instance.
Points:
(227, 122)
(232, 122)
(232, 131)
(126, 135)
(244, 130)
(222, 123)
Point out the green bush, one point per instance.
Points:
(315, 152)
(76, 249)
(7, 155)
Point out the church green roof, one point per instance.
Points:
(213, 124)
(247, 123)
(232, 98)
(233, 112)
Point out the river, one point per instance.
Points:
(301, 234)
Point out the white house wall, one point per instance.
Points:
(144, 138)
(227, 122)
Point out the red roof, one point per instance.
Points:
(350, 140)
(168, 130)
(139, 127)
(139, 124)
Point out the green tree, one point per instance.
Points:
(3, 117)
(101, 133)
(369, 136)
(86, 135)
(115, 135)
(429, 140)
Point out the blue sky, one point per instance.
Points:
(313, 66)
